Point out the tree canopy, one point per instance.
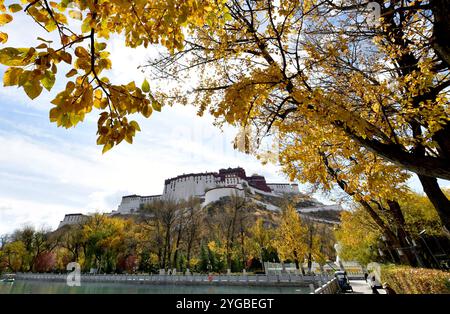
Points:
(372, 100)
(340, 92)
(84, 49)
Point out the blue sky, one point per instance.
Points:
(46, 172)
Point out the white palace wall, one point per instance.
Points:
(132, 203)
(214, 195)
(186, 187)
(281, 188)
(211, 186)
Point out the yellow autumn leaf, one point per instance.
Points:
(5, 19)
(3, 37)
(147, 111)
(135, 125)
(16, 56)
(11, 76)
(32, 88)
(106, 147)
(76, 15)
(71, 73)
(376, 107)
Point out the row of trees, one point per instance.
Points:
(361, 239)
(27, 249)
(231, 234)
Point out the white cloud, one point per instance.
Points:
(67, 170)
(126, 60)
(16, 213)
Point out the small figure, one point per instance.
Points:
(375, 285)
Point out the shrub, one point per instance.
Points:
(409, 280)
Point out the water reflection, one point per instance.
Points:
(44, 287)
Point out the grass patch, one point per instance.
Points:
(409, 280)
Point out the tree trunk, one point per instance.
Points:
(385, 229)
(177, 245)
(166, 253)
(188, 254)
(231, 238)
(402, 234)
(309, 262)
(390, 235)
(311, 232)
(441, 30)
(244, 262)
(437, 198)
(160, 258)
(297, 264)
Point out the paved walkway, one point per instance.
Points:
(362, 287)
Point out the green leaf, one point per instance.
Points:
(145, 86)
(156, 105)
(15, 7)
(49, 80)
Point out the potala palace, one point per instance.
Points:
(210, 187)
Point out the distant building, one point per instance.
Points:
(73, 219)
(212, 186)
(320, 207)
(283, 188)
(209, 187)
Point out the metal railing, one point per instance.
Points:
(277, 279)
(331, 287)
